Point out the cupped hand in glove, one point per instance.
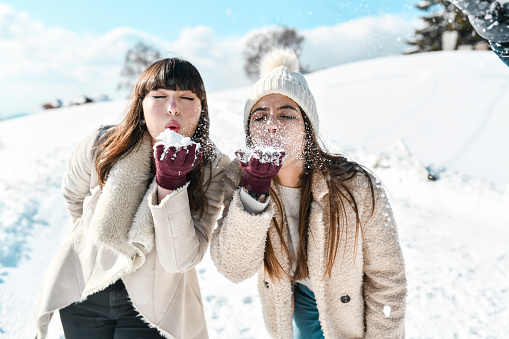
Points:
(173, 164)
(259, 167)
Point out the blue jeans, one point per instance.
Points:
(107, 314)
(502, 50)
(305, 317)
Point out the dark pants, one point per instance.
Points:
(105, 315)
(305, 316)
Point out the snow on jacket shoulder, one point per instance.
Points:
(365, 295)
(120, 231)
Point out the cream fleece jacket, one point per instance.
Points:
(366, 278)
(120, 231)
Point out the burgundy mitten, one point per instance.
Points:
(259, 168)
(171, 170)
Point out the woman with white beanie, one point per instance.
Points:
(317, 227)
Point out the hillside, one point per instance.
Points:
(447, 109)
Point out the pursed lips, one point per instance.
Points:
(173, 125)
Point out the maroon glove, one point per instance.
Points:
(259, 168)
(171, 171)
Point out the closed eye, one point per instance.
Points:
(159, 96)
(259, 118)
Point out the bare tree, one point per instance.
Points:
(137, 59)
(260, 43)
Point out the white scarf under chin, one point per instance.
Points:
(122, 215)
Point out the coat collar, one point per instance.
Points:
(122, 216)
(319, 190)
(319, 186)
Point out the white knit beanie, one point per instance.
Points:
(279, 74)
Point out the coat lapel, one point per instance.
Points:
(274, 236)
(282, 290)
(283, 294)
(318, 223)
(317, 244)
(122, 215)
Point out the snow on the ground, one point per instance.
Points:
(447, 108)
(451, 108)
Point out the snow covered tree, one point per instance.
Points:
(258, 44)
(137, 59)
(442, 17)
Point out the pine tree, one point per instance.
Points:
(442, 16)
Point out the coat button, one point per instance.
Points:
(345, 299)
(266, 284)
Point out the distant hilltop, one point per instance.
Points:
(79, 100)
(12, 116)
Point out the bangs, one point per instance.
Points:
(171, 74)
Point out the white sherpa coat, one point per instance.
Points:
(351, 303)
(121, 232)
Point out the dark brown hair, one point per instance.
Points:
(338, 171)
(171, 74)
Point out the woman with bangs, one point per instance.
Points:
(143, 215)
(316, 227)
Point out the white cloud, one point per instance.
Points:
(40, 63)
(15, 24)
(218, 60)
(364, 38)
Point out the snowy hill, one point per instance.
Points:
(451, 108)
(447, 109)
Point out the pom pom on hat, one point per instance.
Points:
(278, 57)
(279, 74)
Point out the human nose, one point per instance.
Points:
(173, 105)
(272, 125)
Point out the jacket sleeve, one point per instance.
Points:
(181, 236)
(238, 243)
(77, 176)
(384, 275)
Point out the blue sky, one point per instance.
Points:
(166, 18)
(68, 49)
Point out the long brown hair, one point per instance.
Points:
(171, 74)
(338, 171)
